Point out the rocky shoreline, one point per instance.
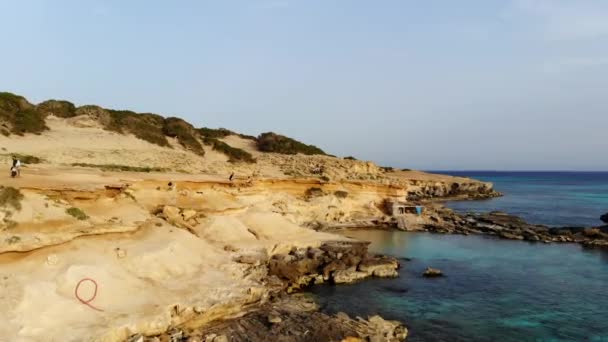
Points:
(336, 262)
(289, 316)
(294, 318)
(502, 225)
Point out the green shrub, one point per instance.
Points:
(350, 158)
(115, 167)
(222, 133)
(406, 169)
(77, 213)
(248, 137)
(387, 168)
(20, 115)
(10, 196)
(341, 194)
(29, 121)
(234, 154)
(59, 108)
(148, 127)
(185, 134)
(215, 133)
(272, 142)
(96, 113)
(10, 104)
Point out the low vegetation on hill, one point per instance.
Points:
(114, 167)
(272, 142)
(148, 127)
(18, 116)
(219, 133)
(185, 134)
(215, 133)
(59, 108)
(234, 154)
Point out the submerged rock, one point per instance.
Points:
(348, 276)
(380, 266)
(432, 272)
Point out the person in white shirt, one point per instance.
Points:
(16, 166)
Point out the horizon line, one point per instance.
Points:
(490, 170)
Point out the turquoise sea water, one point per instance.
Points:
(495, 290)
(551, 198)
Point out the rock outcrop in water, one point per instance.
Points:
(432, 272)
(337, 262)
(604, 218)
(502, 225)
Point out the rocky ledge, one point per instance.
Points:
(291, 318)
(512, 227)
(337, 262)
(296, 317)
(442, 190)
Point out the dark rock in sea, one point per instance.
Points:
(338, 262)
(512, 227)
(559, 231)
(395, 289)
(604, 218)
(432, 272)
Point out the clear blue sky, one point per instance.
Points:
(423, 84)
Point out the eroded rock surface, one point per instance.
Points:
(337, 262)
(294, 319)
